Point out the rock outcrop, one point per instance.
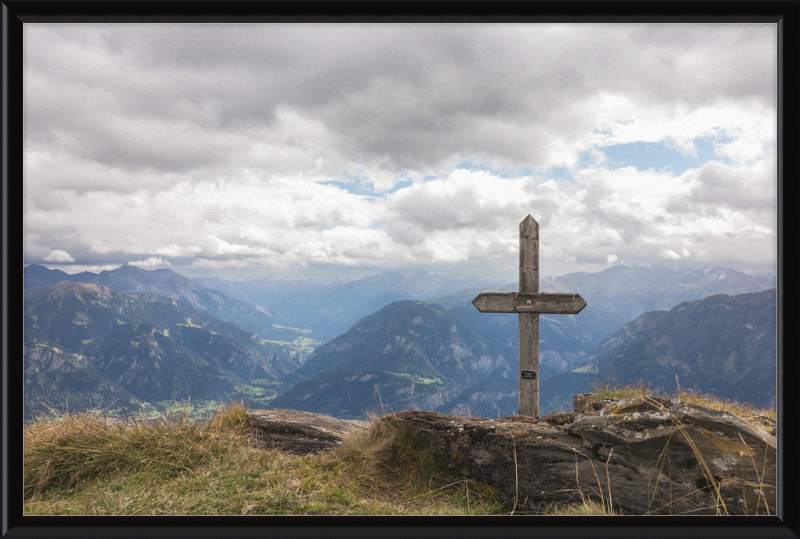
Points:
(299, 432)
(643, 455)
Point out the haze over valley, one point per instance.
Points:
(148, 339)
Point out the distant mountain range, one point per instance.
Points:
(152, 336)
(84, 340)
(331, 308)
(614, 296)
(619, 294)
(622, 293)
(165, 282)
(413, 355)
(725, 345)
(406, 355)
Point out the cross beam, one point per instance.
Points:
(514, 302)
(528, 303)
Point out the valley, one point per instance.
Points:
(160, 342)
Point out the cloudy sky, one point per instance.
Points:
(309, 150)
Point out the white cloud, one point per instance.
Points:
(669, 254)
(275, 146)
(59, 256)
(151, 262)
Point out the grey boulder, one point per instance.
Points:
(299, 432)
(641, 455)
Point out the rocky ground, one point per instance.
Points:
(643, 455)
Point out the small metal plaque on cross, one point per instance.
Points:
(528, 303)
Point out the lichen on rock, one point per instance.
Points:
(647, 455)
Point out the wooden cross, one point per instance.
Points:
(529, 303)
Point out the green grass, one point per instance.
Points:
(301, 344)
(189, 324)
(417, 379)
(301, 330)
(592, 368)
(265, 382)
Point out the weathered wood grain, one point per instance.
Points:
(529, 256)
(528, 303)
(529, 322)
(513, 302)
(529, 361)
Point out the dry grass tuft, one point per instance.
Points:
(80, 447)
(747, 411)
(79, 464)
(604, 390)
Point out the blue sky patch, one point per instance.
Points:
(352, 187)
(400, 185)
(658, 156)
(561, 173)
(358, 185)
(470, 165)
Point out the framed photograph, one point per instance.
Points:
(474, 212)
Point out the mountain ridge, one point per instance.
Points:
(153, 347)
(129, 279)
(332, 308)
(567, 344)
(616, 296)
(723, 345)
(720, 350)
(406, 354)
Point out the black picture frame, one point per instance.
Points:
(15, 13)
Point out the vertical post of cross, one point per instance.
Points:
(529, 322)
(528, 303)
